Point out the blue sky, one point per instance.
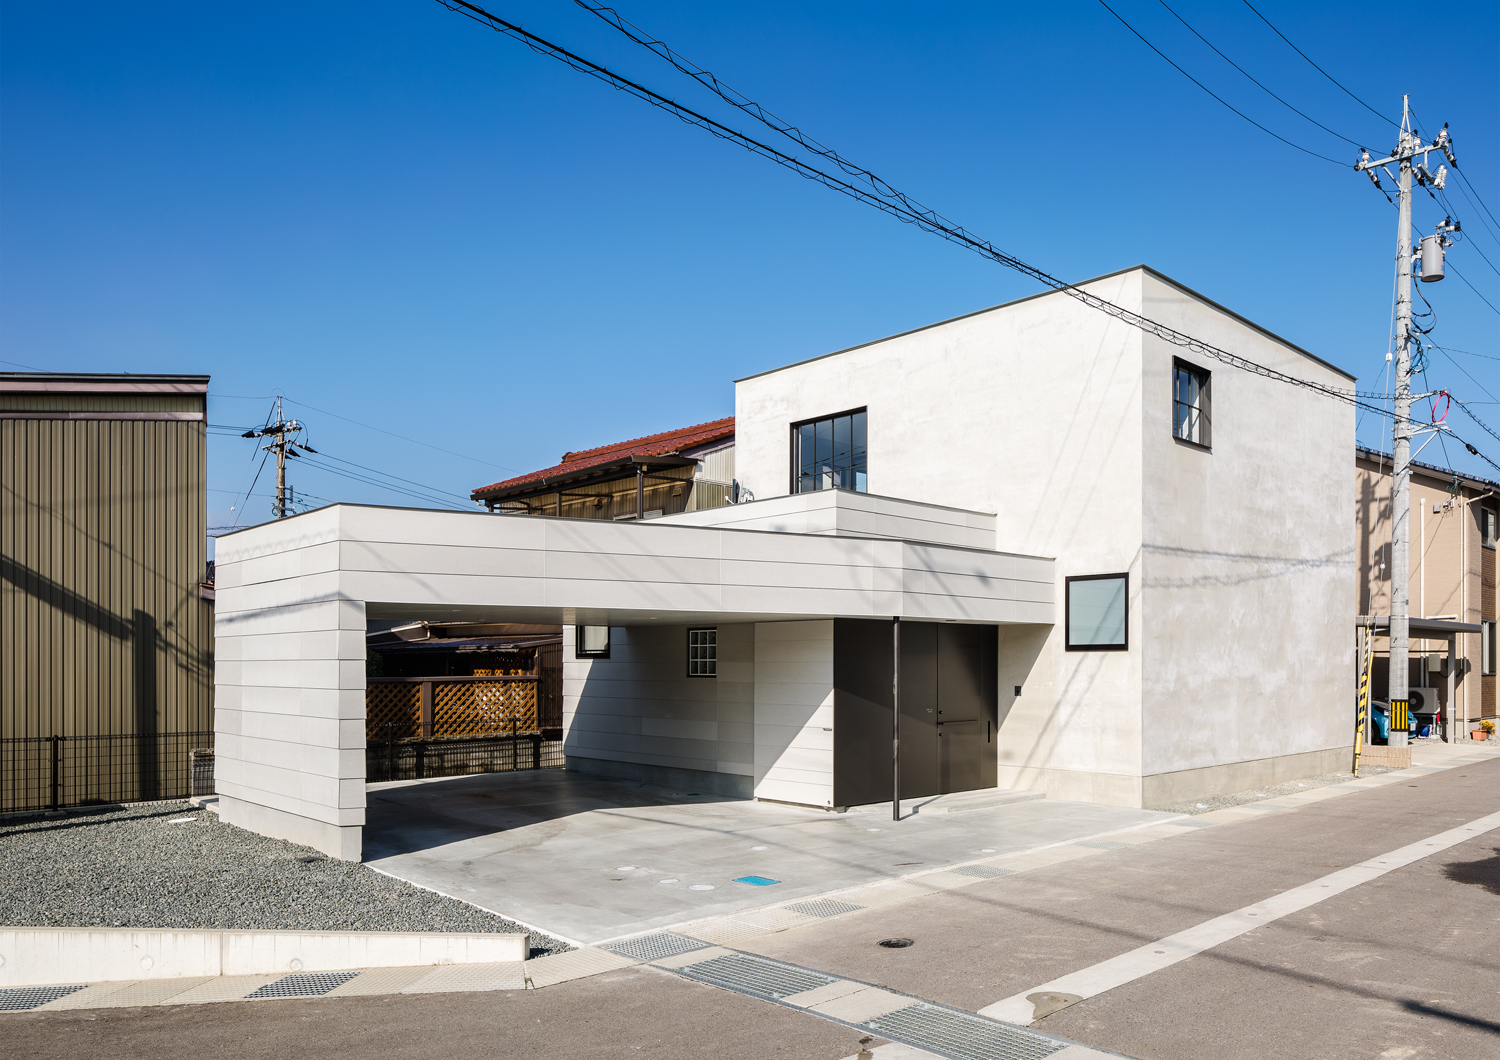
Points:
(395, 216)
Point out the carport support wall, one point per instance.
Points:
(289, 714)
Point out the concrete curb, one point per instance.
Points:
(35, 956)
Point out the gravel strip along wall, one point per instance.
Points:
(133, 868)
(1271, 791)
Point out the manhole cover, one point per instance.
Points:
(895, 944)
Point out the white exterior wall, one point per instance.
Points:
(1249, 567)
(1058, 418)
(1032, 411)
(639, 706)
(289, 676)
(794, 712)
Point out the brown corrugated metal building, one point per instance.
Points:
(105, 625)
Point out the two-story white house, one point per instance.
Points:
(1120, 576)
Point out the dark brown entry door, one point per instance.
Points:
(919, 711)
(965, 672)
(948, 709)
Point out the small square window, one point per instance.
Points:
(592, 642)
(1190, 404)
(1098, 616)
(703, 653)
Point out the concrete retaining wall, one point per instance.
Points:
(32, 956)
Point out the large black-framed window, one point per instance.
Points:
(703, 652)
(1192, 419)
(830, 453)
(1097, 612)
(591, 642)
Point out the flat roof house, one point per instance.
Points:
(1121, 576)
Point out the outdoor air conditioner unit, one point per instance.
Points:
(1423, 700)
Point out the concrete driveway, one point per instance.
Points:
(590, 859)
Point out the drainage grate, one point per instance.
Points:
(821, 907)
(961, 1035)
(984, 872)
(758, 976)
(307, 984)
(21, 998)
(655, 947)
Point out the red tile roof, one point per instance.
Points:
(652, 445)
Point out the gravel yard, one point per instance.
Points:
(1240, 798)
(147, 867)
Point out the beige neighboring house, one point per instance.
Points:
(1453, 535)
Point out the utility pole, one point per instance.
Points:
(284, 432)
(1411, 156)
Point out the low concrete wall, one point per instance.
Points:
(730, 784)
(1166, 789)
(31, 956)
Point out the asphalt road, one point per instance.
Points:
(1404, 967)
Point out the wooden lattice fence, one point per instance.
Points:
(412, 707)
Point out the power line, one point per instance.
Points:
(1216, 96)
(393, 434)
(1262, 87)
(1471, 287)
(1320, 70)
(371, 427)
(894, 203)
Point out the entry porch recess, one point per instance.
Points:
(295, 597)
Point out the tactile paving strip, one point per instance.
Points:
(21, 998)
(961, 1035)
(754, 975)
(824, 907)
(302, 984)
(983, 872)
(461, 978)
(654, 947)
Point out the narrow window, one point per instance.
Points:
(592, 642)
(1190, 406)
(1487, 648)
(830, 453)
(1487, 515)
(703, 653)
(1098, 612)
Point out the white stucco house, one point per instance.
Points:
(1120, 577)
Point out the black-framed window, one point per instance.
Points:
(1191, 414)
(830, 453)
(591, 642)
(1487, 648)
(1097, 613)
(703, 652)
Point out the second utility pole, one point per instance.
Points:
(1411, 156)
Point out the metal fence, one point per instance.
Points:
(394, 758)
(57, 772)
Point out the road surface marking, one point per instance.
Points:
(1155, 956)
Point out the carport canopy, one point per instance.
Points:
(294, 597)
